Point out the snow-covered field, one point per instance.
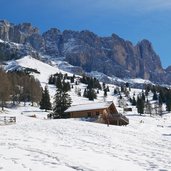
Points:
(38, 144)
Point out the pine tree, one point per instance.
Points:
(154, 95)
(45, 101)
(62, 102)
(140, 105)
(85, 93)
(168, 102)
(58, 82)
(115, 91)
(91, 94)
(72, 79)
(104, 86)
(122, 88)
(160, 99)
(134, 103)
(127, 85)
(108, 88)
(105, 92)
(143, 96)
(66, 86)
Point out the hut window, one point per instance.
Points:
(97, 113)
(89, 114)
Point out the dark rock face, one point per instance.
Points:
(112, 55)
(53, 42)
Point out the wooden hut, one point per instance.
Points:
(105, 112)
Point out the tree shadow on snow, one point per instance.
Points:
(167, 135)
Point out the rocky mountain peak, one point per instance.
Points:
(16, 33)
(4, 22)
(145, 45)
(116, 37)
(145, 42)
(27, 28)
(168, 69)
(53, 32)
(4, 30)
(148, 54)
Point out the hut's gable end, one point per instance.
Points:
(112, 109)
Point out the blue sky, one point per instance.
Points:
(131, 19)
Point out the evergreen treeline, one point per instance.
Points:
(18, 87)
(91, 82)
(53, 79)
(160, 94)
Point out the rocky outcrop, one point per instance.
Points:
(111, 55)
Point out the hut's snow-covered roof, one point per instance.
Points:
(89, 106)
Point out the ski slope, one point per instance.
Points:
(34, 144)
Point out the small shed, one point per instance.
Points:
(105, 112)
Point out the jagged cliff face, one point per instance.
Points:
(19, 40)
(110, 55)
(113, 56)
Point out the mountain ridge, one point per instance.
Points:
(110, 55)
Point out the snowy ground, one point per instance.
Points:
(40, 144)
(34, 144)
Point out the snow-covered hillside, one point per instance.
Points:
(29, 62)
(35, 144)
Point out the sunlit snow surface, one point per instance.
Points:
(38, 144)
